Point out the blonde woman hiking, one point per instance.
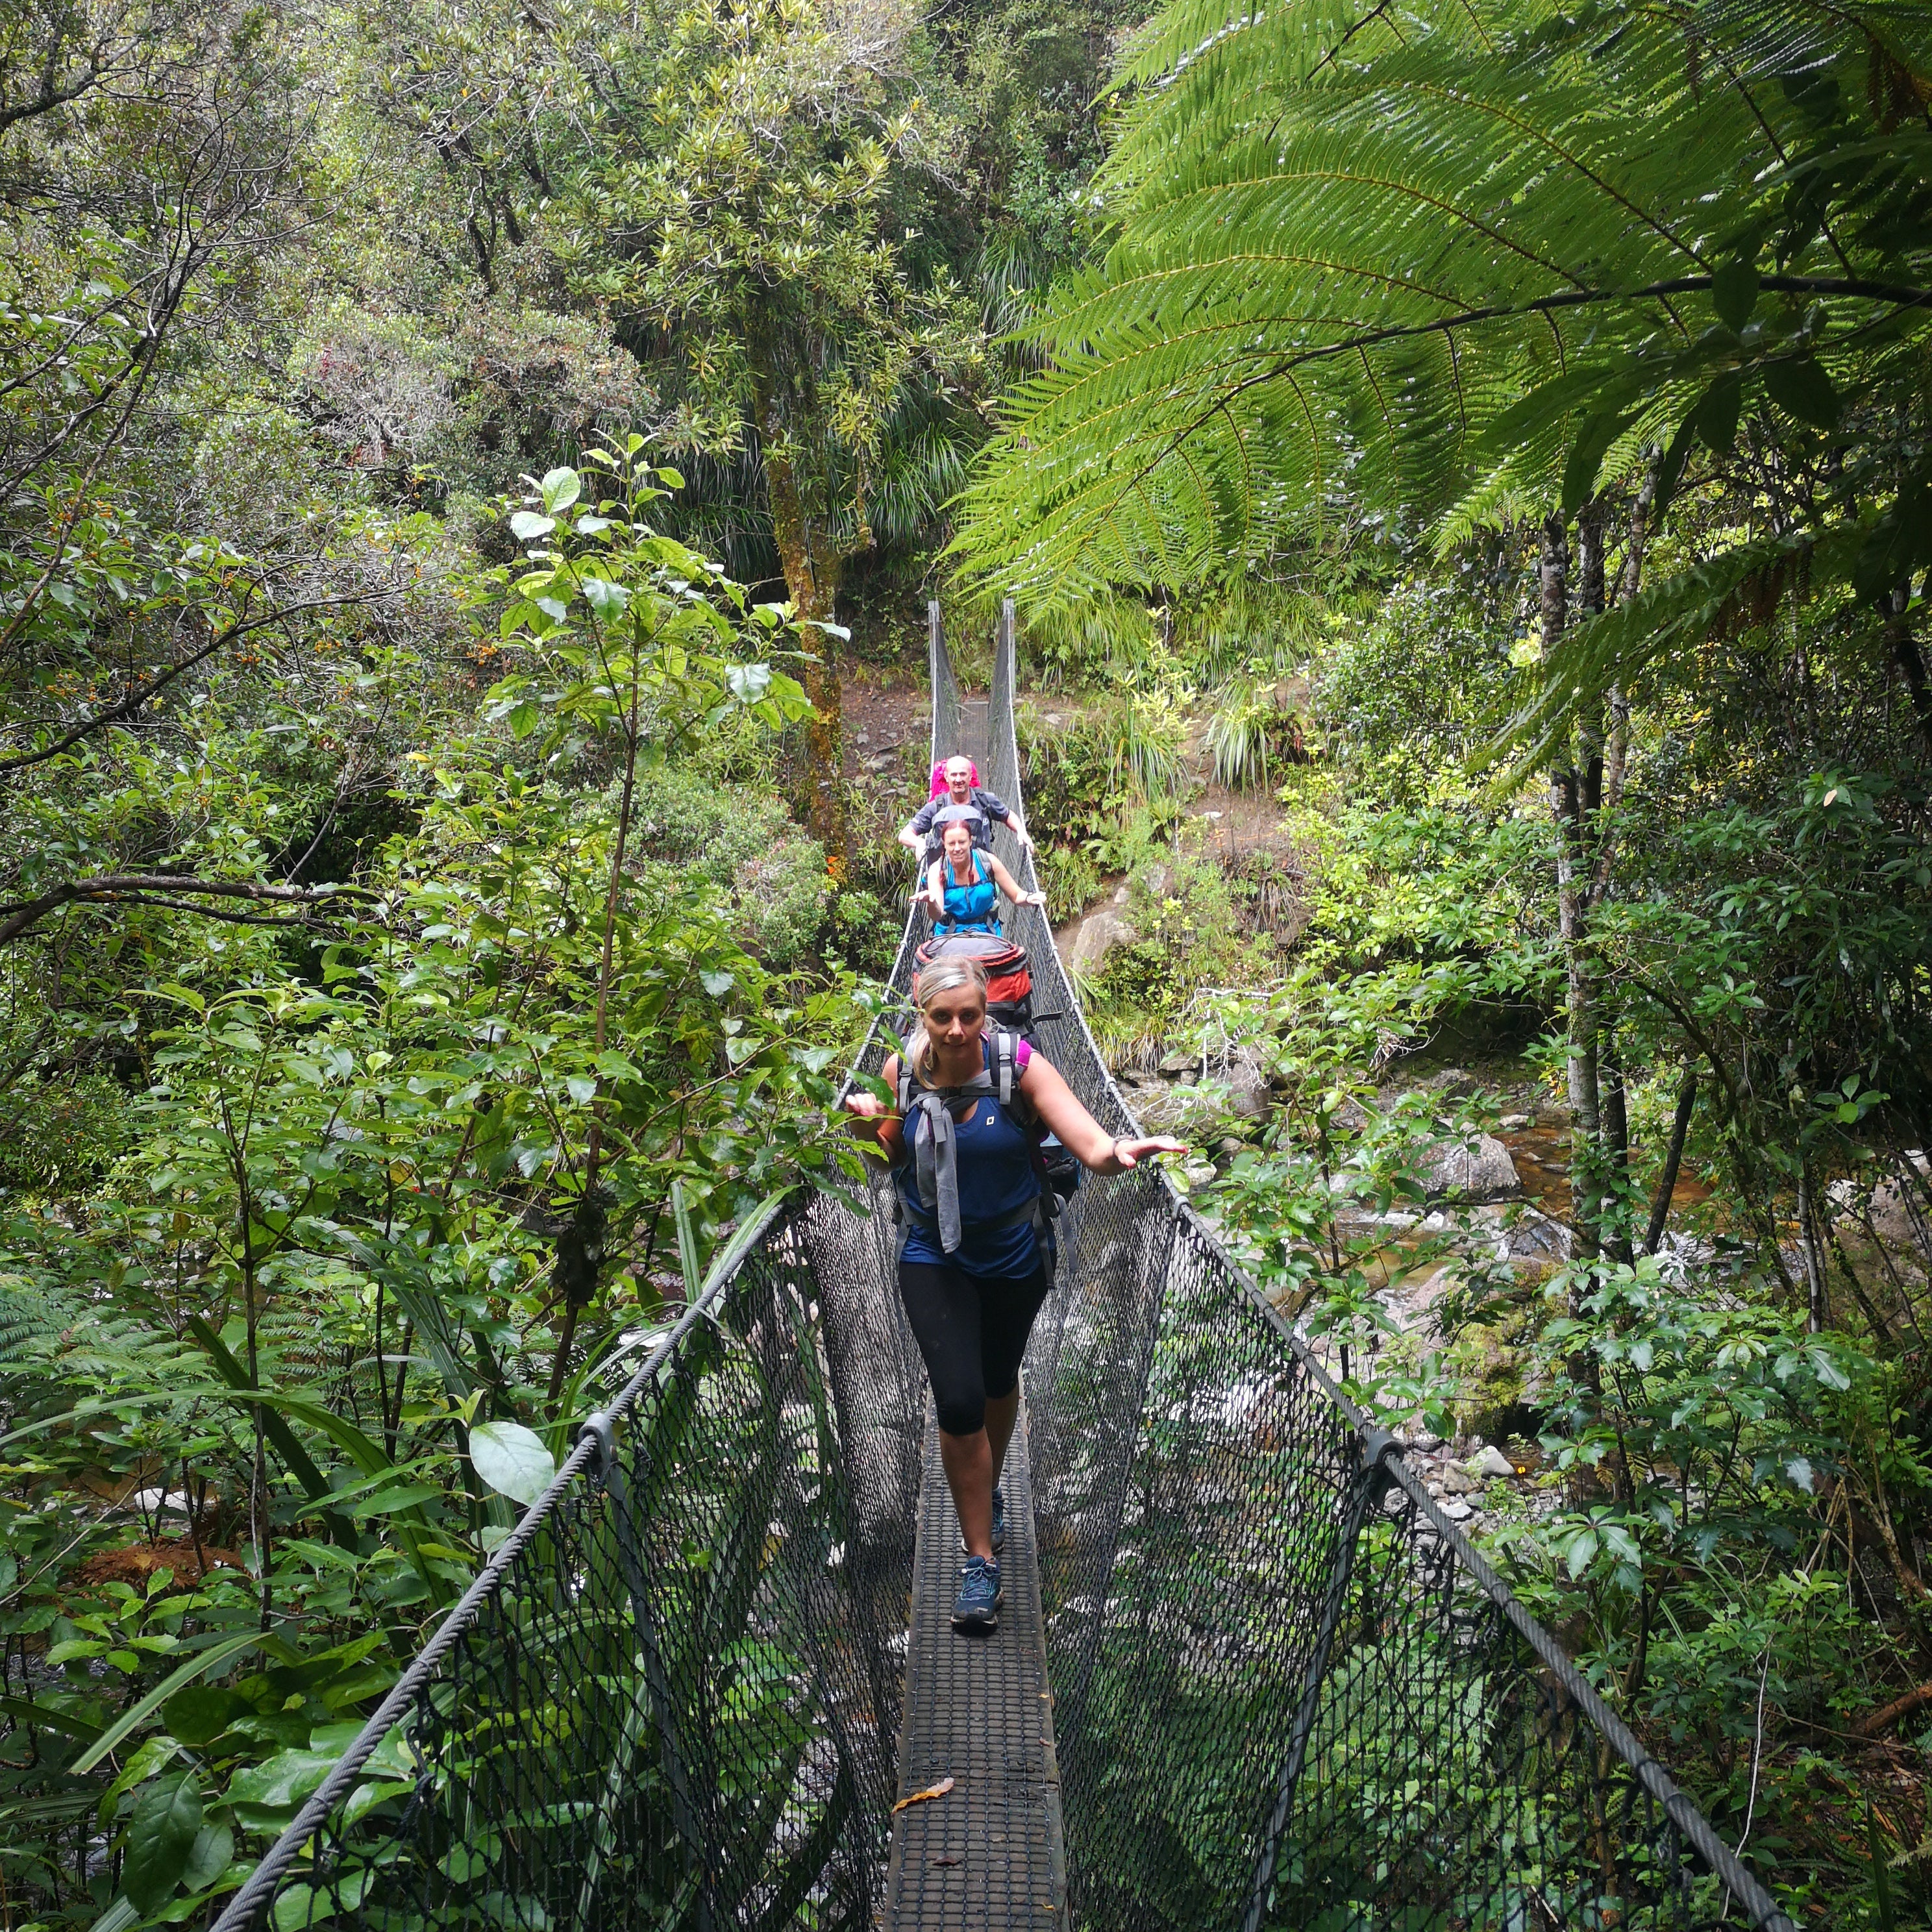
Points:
(975, 1248)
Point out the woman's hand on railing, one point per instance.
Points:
(1128, 1154)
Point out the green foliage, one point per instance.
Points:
(1189, 939)
(1112, 782)
(1421, 685)
(1252, 732)
(378, 1221)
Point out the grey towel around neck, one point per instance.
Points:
(935, 1148)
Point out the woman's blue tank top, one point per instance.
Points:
(997, 1177)
(971, 908)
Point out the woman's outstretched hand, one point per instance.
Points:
(1129, 1154)
(1034, 898)
(867, 1106)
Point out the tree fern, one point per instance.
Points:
(1432, 256)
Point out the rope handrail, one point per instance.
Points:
(1287, 1688)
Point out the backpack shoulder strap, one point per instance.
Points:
(1006, 1055)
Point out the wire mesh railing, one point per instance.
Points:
(1288, 1691)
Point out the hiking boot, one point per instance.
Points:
(999, 1524)
(977, 1606)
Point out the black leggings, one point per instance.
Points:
(972, 1330)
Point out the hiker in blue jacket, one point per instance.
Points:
(964, 884)
(976, 1246)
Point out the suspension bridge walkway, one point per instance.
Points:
(1247, 1676)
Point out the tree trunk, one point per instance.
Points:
(1904, 648)
(1616, 1146)
(812, 572)
(1817, 1305)
(1673, 1160)
(1568, 786)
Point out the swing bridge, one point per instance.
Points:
(1247, 1675)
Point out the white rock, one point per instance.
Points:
(154, 1502)
(1247, 1083)
(1536, 1236)
(1492, 1462)
(1479, 1170)
(1516, 1124)
(1099, 933)
(1456, 1511)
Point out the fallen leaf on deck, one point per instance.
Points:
(949, 1862)
(938, 1790)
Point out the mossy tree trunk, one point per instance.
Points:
(812, 561)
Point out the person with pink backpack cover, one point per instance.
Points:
(957, 794)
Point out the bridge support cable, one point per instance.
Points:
(1290, 1692)
(685, 1694)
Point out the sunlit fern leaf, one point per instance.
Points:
(1349, 240)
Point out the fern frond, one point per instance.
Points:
(1350, 242)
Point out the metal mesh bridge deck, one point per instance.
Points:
(1248, 1675)
(978, 1710)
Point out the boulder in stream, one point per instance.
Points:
(1476, 1170)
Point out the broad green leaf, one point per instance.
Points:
(1800, 388)
(282, 1780)
(1716, 416)
(1734, 294)
(747, 683)
(512, 1460)
(608, 600)
(387, 1502)
(200, 1714)
(214, 1846)
(161, 1837)
(561, 488)
(527, 525)
(300, 1906)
